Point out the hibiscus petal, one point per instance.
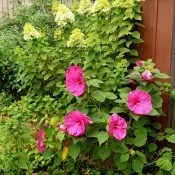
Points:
(72, 129)
(119, 134)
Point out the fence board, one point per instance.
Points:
(8, 6)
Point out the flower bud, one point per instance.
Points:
(62, 128)
(147, 76)
(139, 63)
(132, 152)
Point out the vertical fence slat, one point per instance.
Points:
(8, 6)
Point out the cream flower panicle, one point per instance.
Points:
(125, 3)
(30, 32)
(102, 6)
(76, 39)
(84, 7)
(64, 15)
(55, 6)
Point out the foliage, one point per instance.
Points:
(35, 74)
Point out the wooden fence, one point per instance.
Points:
(8, 6)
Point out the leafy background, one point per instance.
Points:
(33, 95)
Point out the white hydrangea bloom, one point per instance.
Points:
(102, 6)
(84, 7)
(125, 3)
(30, 32)
(64, 15)
(76, 39)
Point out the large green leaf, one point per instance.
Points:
(102, 137)
(99, 95)
(141, 137)
(94, 82)
(110, 95)
(137, 165)
(74, 150)
(104, 152)
(164, 163)
(171, 138)
(117, 110)
(136, 34)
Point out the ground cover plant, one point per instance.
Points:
(75, 97)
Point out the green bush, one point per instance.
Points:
(38, 62)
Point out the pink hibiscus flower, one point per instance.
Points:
(75, 82)
(117, 127)
(147, 76)
(40, 145)
(75, 123)
(139, 102)
(74, 70)
(139, 63)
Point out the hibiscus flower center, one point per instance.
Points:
(78, 123)
(115, 126)
(79, 81)
(138, 103)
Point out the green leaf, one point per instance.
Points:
(110, 95)
(160, 136)
(117, 110)
(173, 94)
(124, 90)
(136, 34)
(22, 159)
(172, 172)
(51, 83)
(134, 52)
(93, 130)
(141, 137)
(137, 17)
(99, 95)
(57, 92)
(69, 166)
(140, 122)
(97, 48)
(120, 165)
(141, 156)
(94, 82)
(47, 154)
(102, 137)
(164, 163)
(157, 101)
(154, 113)
(119, 147)
(134, 116)
(104, 152)
(169, 131)
(161, 75)
(171, 138)
(137, 165)
(47, 76)
(152, 147)
(124, 96)
(156, 125)
(49, 132)
(60, 136)
(123, 31)
(74, 150)
(124, 157)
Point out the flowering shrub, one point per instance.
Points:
(83, 100)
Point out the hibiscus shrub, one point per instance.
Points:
(83, 98)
